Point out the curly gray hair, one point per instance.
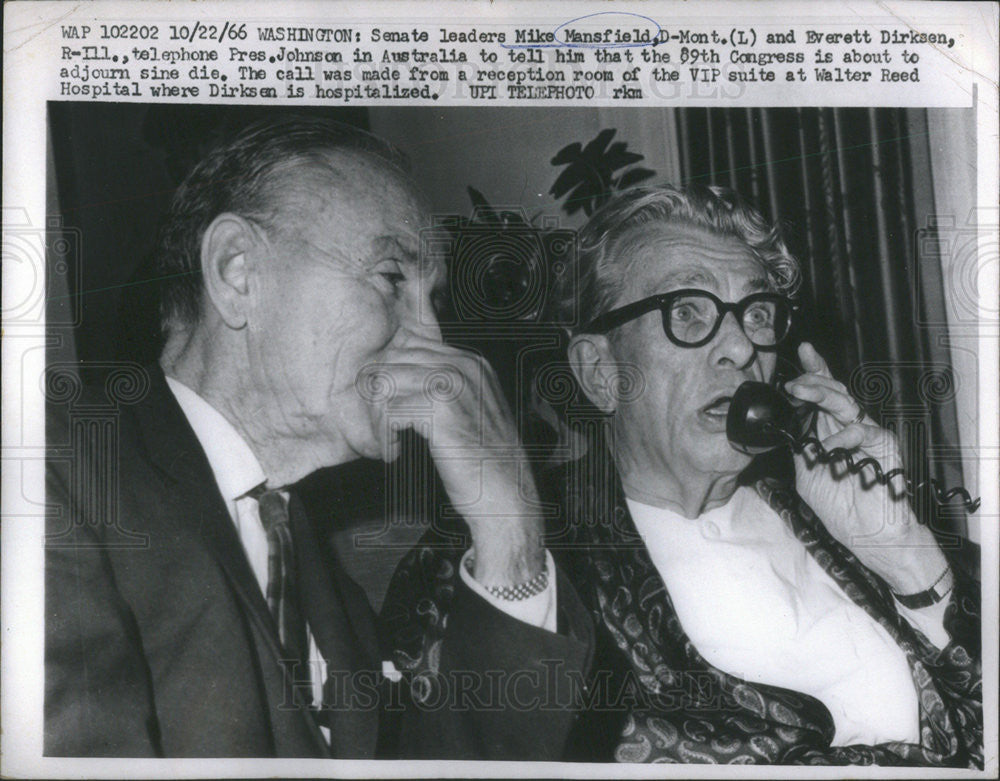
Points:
(600, 274)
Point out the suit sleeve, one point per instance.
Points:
(478, 683)
(98, 699)
(962, 617)
(958, 668)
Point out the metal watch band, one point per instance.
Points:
(926, 598)
(517, 592)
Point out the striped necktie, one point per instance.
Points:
(282, 592)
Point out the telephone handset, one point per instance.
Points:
(761, 417)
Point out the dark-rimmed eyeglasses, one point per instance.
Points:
(692, 317)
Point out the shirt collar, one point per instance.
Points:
(233, 463)
(650, 520)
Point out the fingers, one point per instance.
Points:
(407, 338)
(831, 396)
(420, 384)
(818, 386)
(414, 349)
(411, 392)
(449, 396)
(850, 438)
(812, 362)
(861, 441)
(441, 371)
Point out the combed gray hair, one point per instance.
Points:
(249, 175)
(600, 274)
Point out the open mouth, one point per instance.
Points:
(718, 407)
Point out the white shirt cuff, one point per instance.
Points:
(539, 610)
(929, 620)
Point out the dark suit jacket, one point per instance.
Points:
(158, 641)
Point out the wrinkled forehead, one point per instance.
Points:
(355, 183)
(364, 205)
(659, 257)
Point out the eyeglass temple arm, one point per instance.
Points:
(616, 317)
(604, 323)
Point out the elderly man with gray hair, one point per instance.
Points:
(294, 281)
(743, 616)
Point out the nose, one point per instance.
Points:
(731, 347)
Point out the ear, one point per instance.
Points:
(595, 369)
(225, 268)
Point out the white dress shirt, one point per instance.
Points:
(237, 471)
(756, 604)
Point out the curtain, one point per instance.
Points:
(841, 183)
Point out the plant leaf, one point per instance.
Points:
(600, 142)
(567, 154)
(477, 198)
(483, 212)
(589, 179)
(568, 179)
(582, 197)
(617, 157)
(633, 176)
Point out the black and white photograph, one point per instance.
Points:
(549, 439)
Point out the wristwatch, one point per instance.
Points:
(939, 590)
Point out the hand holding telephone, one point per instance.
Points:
(761, 418)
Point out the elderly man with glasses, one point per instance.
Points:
(742, 618)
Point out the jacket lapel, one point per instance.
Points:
(801, 727)
(171, 445)
(635, 604)
(870, 595)
(856, 581)
(343, 625)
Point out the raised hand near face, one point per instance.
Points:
(875, 521)
(452, 397)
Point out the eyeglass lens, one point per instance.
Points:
(691, 318)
